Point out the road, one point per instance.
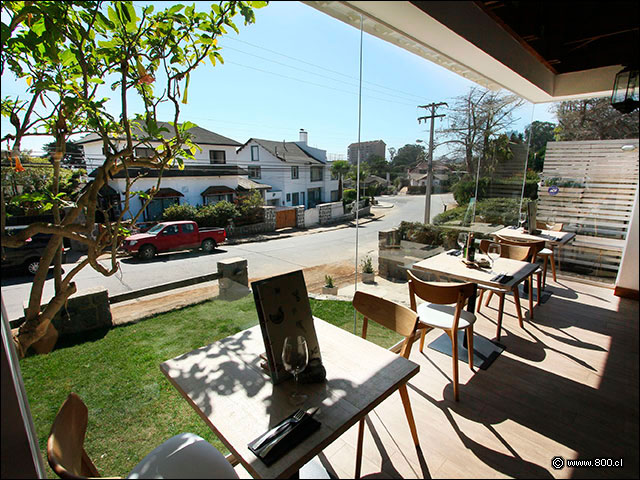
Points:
(264, 258)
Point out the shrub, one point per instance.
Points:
(179, 212)
(328, 281)
(503, 211)
(218, 215)
(464, 190)
(349, 195)
(367, 265)
(249, 208)
(432, 234)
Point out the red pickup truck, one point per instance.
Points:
(168, 236)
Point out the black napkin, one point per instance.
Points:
(287, 441)
(502, 278)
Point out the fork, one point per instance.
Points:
(299, 415)
(266, 449)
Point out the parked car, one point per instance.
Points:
(167, 236)
(27, 257)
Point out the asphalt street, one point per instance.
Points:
(265, 258)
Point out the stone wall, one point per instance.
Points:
(269, 225)
(396, 256)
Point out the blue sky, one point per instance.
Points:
(298, 68)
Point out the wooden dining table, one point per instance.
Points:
(446, 267)
(551, 237)
(227, 386)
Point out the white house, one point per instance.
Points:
(298, 174)
(212, 177)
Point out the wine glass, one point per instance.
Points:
(295, 356)
(523, 218)
(462, 240)
(550, 222)
(493, 252)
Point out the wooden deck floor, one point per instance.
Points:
(567, 385)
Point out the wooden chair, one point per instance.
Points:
(547, 253)
(401, 320)
(537, 247)
(444, 308)
(522, 253)
(182, 456)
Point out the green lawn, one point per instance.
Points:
(132, 407)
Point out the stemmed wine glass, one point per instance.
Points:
(493, 252)
(523, 218)
(295, 356)
(462, 240)
(550, 222)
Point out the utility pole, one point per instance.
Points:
(427, 194)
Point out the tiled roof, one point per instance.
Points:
(246, 184)
(288, 152)
(201, 136)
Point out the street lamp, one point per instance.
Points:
(427, 193)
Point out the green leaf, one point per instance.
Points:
(187, 125)
(258, 4)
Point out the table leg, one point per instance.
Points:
(359, 448)
(471, 308)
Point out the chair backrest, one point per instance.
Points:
(440, 293)
(65, 446)
(534, 245)
(389, 314)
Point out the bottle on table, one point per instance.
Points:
(471, 248)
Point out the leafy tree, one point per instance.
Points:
(474, 119)
(378, 165)
(73, 156)
(392, 153)
(340, 168)
(540, 133)
(406, 157)
(65, 51)
(248, 206)
(593, 119)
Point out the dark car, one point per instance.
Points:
(28, 256)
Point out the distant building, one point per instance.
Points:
(367, 149)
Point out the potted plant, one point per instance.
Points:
(368, 276)
(329, 288)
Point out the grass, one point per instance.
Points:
(132, 406)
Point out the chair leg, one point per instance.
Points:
(488, 298)
(500, 312)
(359, 448)
(539, 287)
(454, 356)
(553, 267)
(544, 271)
(480, 300)
(530, 282)
(409, 413)
(470, 345)
(516, 299)
(422, 335)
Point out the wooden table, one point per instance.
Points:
(552, 238)
(445, 265)
(226, 386)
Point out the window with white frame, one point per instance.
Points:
(254, 153)
(316, 174)
(217, 156)
(254, 172)
(294, 173)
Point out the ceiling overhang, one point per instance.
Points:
(461, 37)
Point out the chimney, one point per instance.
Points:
(304, 136)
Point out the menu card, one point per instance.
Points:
(283, 309)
